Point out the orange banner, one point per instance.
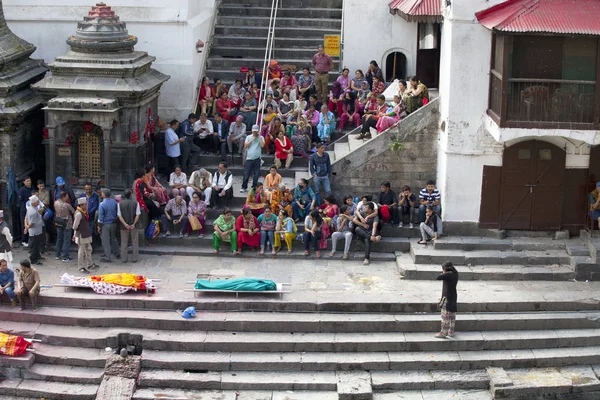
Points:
(11, 345)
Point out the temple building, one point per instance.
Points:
(101, 104)
(21, 118)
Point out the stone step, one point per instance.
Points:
(578, 382)
(211, 161)
(234, 10)
(371, 361)
(507, 244)
(71, 356)
(64, 373)
(227, 63)
(288, 21)
(229, 75)
(492, 272)
(283, 4)
(178, 394)
(429, 380)
(233, 321)
(47, 390)
(239, 380)
(434, 395)
(261, 42)
(219, 341)
(284, 32)
(428, 255)
(255, 52)
(195, 246)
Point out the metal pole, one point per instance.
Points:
(264, 70)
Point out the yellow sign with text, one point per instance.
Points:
(332, 45)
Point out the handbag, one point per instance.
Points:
(442, 302)
(153, 229)
(194, 223)
(60, 222)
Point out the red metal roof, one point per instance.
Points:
(418, 10)
(575, 17)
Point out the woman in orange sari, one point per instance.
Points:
(282, 199)
(161, 194)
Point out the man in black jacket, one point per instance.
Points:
(220, 133)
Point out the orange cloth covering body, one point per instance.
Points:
(11, 345)
(131, 280)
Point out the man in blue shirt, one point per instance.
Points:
(254, 144)
(220, 132)
(320, 169)
(7, 281)
(173, 145)
(107, 217)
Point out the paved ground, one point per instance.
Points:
(324, 280)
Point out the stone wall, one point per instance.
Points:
(363, 170)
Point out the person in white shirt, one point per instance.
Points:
(6, 241)
(173, 144)
(200, 181)
(222, 185)
(204, 129)
(237, 135)
(178, 182)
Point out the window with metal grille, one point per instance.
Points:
(89, 156)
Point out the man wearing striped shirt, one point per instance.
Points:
(429, 196)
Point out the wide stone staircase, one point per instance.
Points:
(272, 351)
(240, 34)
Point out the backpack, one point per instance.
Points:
(153, 229)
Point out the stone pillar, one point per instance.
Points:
(107, 156)
(51, 162)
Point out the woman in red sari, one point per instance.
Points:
(284, 150)
(248, 230)
(223, 105)
(160, 193)
(205, 100)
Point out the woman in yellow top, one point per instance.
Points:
(272, 182)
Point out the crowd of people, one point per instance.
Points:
(297, 112)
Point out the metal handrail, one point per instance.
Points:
(345, 136)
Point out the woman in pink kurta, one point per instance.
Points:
(393, 116)
(248, 230)
(197, 208)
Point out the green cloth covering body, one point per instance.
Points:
(242, 284)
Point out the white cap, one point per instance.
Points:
(34, 199)
(255, 128)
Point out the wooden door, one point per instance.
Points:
(533, 175)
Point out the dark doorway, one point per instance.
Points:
(395, 66)
(428, 54)
(533, 177)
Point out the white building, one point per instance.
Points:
(168, 30)
(520, 110)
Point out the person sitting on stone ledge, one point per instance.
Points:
(268, 100)
(406, 206)
(367, 228)
(204, 138)
(160, 193)
(247, 111)
(29, 285)
(392, 115)
(285, 230)
(312, 116)
(236, 93)
(256, 200)
(267, 223)
(429, 228)
(237, 135)
(272, 182)
(200, 181)
(175, 216)
(350, 111)
(305, 200)
(289, 84)
(306, 83)
(312, 232)
(217, 89)
(222, 185)
(177, 182)
(197, 210)
(7, 282)
(417, 95)
(282, 199)
(388, 204)
(224, 231)
(267, 120)
(225, 107)
(205, 100)
(342, 231)
(429, 196)
(326, 125)
(247, 229)
(371, 117)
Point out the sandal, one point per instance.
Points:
(440, 336)
(360, 136)
(366, 262)
(331, 254)
(289, 251)
(345, 256)
(424, 243)
(318, 254)
(306, 253)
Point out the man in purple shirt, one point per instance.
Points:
(323, 64)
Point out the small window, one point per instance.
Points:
(545, 154)
(524, 154)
